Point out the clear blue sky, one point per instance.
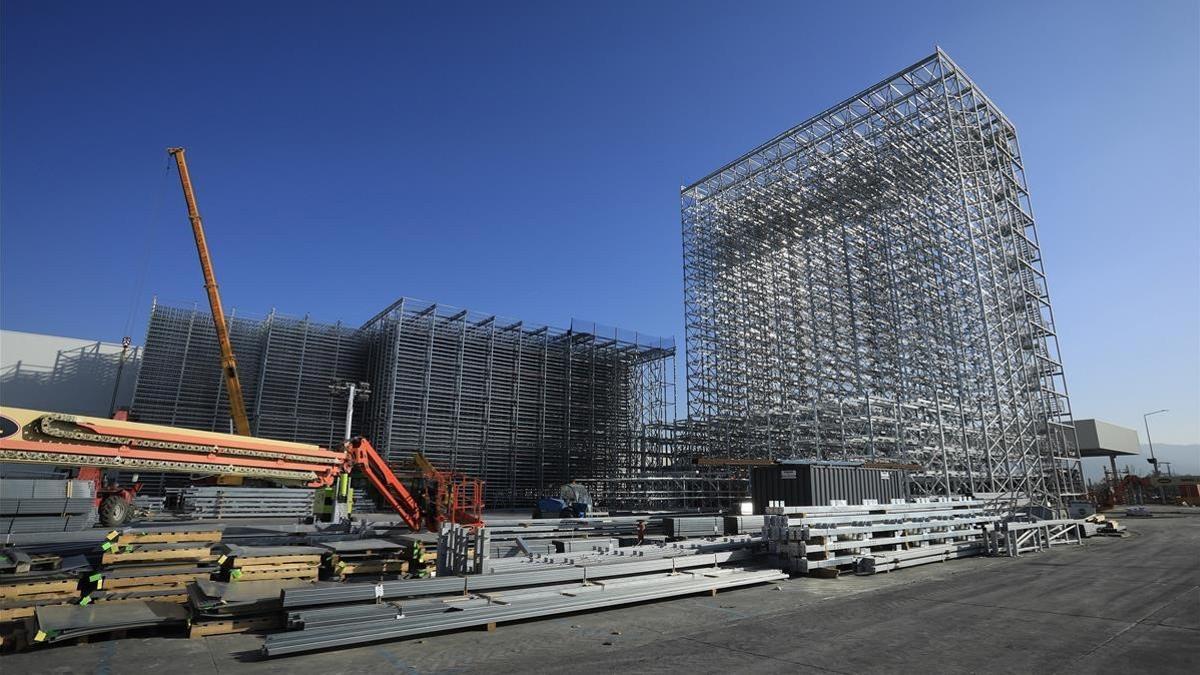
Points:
(525, 159)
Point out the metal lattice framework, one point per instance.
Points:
(286, 367)
(525, 407)
(869, 284)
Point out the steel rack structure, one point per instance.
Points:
(286, 367)
(869, 284)
(524, 407)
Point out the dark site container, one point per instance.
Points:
(817, 484)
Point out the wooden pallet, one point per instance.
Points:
(143, 554)
(229, 561)
(30, 590)
(265, 572)
(344, 569)
(204, 536)
(202, 629)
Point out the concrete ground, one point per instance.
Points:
(1111, 605)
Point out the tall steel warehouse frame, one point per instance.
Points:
(869, 285)
(526, 407)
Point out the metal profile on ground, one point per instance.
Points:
(537, 605)
(536, 574)
(894, 535)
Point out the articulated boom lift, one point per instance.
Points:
(93, 444)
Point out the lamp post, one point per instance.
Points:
(1153, 460)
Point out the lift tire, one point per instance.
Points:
(114, 510)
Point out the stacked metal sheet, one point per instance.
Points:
(46, 505)
(64, 622)
(900, 534)
(694, 526)
(240, 502)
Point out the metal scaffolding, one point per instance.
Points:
(525, 407)
(286, 367)
(869, 284)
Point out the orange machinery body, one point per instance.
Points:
(96, 443)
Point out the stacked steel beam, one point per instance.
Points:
(239, 502)
(872, 537)
(338, 626)
(37, 505)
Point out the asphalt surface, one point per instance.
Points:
(1111, 605)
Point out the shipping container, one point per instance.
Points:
(817, 484)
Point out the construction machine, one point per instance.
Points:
(94, 444)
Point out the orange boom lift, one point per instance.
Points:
(95, 444)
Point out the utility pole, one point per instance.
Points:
(1154, 460)
(112, 403)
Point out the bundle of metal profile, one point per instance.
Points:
(32, 524)
(655, 551)
(37, 488)
(237, 502)
(17, 506)
(343, 614)
(694, 526)
(148, 503)
(46, 505)
(537, 603)
(886, 562)
(808, 538)
(64, 622)
(533, 576)
(583, 544)
(743, 524)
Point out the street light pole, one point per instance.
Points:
(1146, 420)
(1154, 460)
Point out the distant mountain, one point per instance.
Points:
(1184, 459)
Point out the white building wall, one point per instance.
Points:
(65, 374)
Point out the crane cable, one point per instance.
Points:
(144, 260)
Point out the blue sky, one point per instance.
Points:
(525, 159)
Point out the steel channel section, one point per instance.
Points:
(306, 640)
(447, 585)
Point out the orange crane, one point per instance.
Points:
(237, 404)
(94, 444)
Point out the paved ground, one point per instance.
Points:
(1112, 605)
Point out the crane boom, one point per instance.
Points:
(237, 404)
(64, 440)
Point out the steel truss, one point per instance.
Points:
(869, 284)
